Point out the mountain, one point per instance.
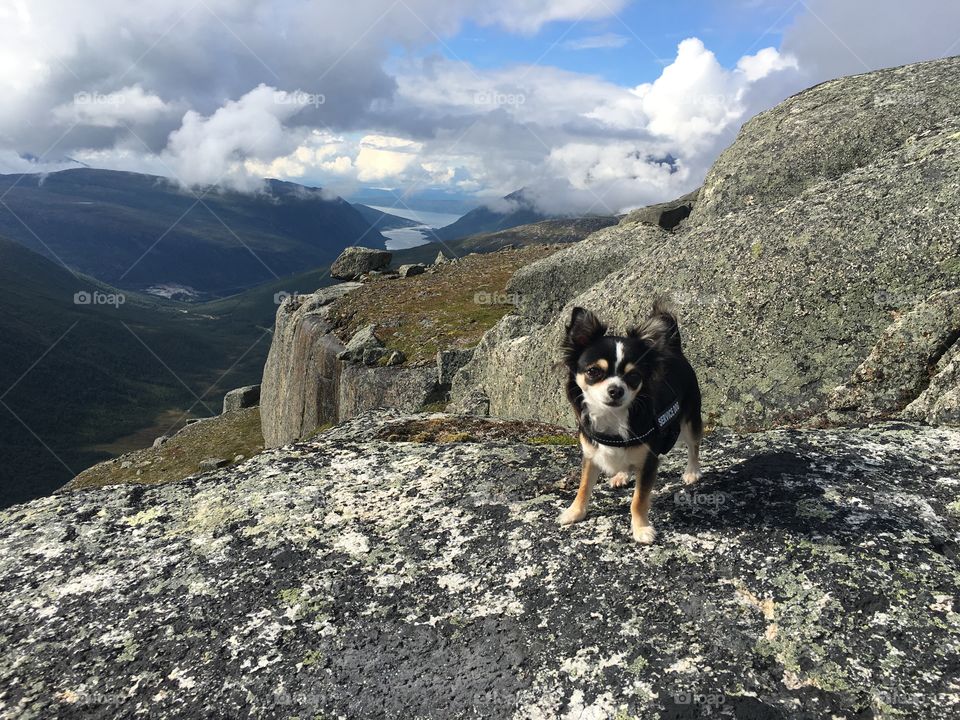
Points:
(140, 231)
(380, 220)
(519, 211)
(75, 376)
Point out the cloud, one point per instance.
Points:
(324, 92)
(214, 149)
(843, 38)
(593, 42)
(127, 106)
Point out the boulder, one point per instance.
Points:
(364, 347)
(411, 270)
(301, 376)
(441, 258)
(245, 397)
(449, 362)
(666, 215)
(783, 289)
(356, 261)
(351, 576)
(212, 464)
(311, 379)
(826, 132)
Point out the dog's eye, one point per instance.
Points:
(594, 374)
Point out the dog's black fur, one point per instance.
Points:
(631, 390)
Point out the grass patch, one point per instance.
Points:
(225, 436)
(450, 308)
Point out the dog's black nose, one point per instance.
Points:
(615, 391)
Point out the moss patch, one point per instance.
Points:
(226, 436)
(447, 308)
(458, 429)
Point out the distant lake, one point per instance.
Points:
(403, 238)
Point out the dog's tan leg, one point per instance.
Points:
(691, 438)
(643, 531)
(578, 508)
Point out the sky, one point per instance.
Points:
(589, 105)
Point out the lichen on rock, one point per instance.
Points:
(354, 576)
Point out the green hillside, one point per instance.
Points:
(136, 231)
(76, 376)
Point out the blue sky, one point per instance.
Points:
(649, 31)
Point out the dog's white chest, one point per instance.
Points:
(612, 460)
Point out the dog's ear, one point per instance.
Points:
(660, 329)
(584, 328)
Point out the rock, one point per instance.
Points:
(666, 215)
(311, 379)
(356, 261)
(441, 259)
(474, 402)
(783, 289)
(829, 131)
(245, 397)
(403, 388)
(940, 402)
(126, 464)
(238, 458)
(542, 288)
(898, 368)
(396, 358)
(302, 374)
(364, 347)
(411, 270)
(212, 463)
(449, 362)
(352, 577)
(160, 441)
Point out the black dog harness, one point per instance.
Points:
(661, 433)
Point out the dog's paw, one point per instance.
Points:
(619, 480)
(571, 515)
(644, 534)
(691, 476)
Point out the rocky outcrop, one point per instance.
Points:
(830, 216)
(666, 215)
(541, 289)
(301, 378)
(810, 574)
(828, 131)
(312, 380)
(245, 397)
(356, 261)
(902, 363)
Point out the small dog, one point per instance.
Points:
(633, 396)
